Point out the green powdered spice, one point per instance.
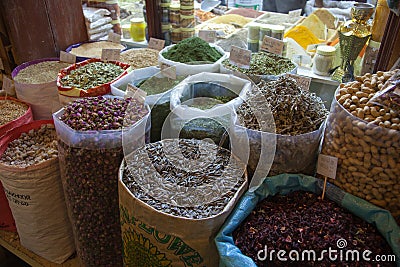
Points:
(264, 63)
(154, 85)
(191, 50)
(209, 102)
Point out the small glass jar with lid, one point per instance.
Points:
(187, 33)
(174, 14)
(277, 32)
(187, 10)
(265, 30)
(176, 35)
(138, 29)
(323, 60)
(253, 31)
(187, 21)
(165, 12)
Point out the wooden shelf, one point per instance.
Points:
(10, 241)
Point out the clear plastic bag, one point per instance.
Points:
(389, 95)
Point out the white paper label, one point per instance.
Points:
(295, 13)
(208, 35)
(110, 54)
(240, 57)
(272, 45)
(168, 71)
(1, 64)
(136, 93)
(302, 81)
(114, 37)
(156, 44)
(327, 166)
(67, 57)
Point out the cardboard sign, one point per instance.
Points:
(156, 44)
(110, 54)
(114, 37)
(303, 81)
(272, 45)
(136, 93)
(208, 35)
(240, 57)
(1, 64)
(67, 57)
(168, 71)
(295, 13)
(327, 166)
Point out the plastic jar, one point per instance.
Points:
(166, 32)
(253, 32)
(265, 30)
(187, 10)
(176, 35)
(323, 60)
(126, 31)
(187, 21)
(252, 45)
(174, 15)
(277, 32)
(165, 12)
(138, 29)
(187, 33)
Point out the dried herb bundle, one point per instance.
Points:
(295, 111)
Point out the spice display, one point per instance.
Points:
(277, 31)
(174, 15)
(187, 33)
(302, 221)
(222, 30)
(11, 110)
(246, 12)
(203, 16)
(89, 158)
(192, 50)
(42, 72)
(232, 19)
(365, 138)
(92, 75)
(171, 176)
(187, 21)
(264, 63)
(94, 49)
(238, 39)
(33, 147)
(140, 58)
(176, 35)
(265, 30)
(254, 31)
(252, 45)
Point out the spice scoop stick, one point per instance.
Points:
(324, 189)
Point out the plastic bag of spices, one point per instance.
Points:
(90, 143)
(30, 173)
(284, 184)
(172, 206)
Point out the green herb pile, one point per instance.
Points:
(191, 50)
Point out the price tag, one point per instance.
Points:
(156, 44)
(208, 35)
(272, 45)
(67, 57)
(8, 85)
(136, 93)
(327, 166)
(110, 54)
(168, 71)
(114, 37)
(295, 13)
(240, 57)
(1, 64)
(302, 81)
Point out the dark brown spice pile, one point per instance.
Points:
(302, 221)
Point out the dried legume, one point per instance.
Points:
(11, 110)
(140, 58)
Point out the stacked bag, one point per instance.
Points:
(98, 23)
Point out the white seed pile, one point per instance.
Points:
(31, 148)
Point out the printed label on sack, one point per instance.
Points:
(18, 199)
(114, 37)
(136, 93)
(327, 166)
(208, 35)
(110, 54)
(7, 84)
(1, 64)
(240, 57)
(272, 45)
(295, 13)
(67, 57)
(302, 81)
(156, 44)
(168, 71)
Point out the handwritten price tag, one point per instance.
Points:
(156, 44)
(272, 45)
(136, 93)
(110, 54)
(208, 35)
(67, 57)
(1, 64)
(295, 13)
(240, 57)
(327, 166)
(114, 37)
(168, 71)
(302, 81)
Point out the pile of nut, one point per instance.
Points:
(367, 144)
(33, 147)
(11, 110)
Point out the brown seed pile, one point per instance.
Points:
(140, 58)
(42, 72)
(31, 148)
(11, 110)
